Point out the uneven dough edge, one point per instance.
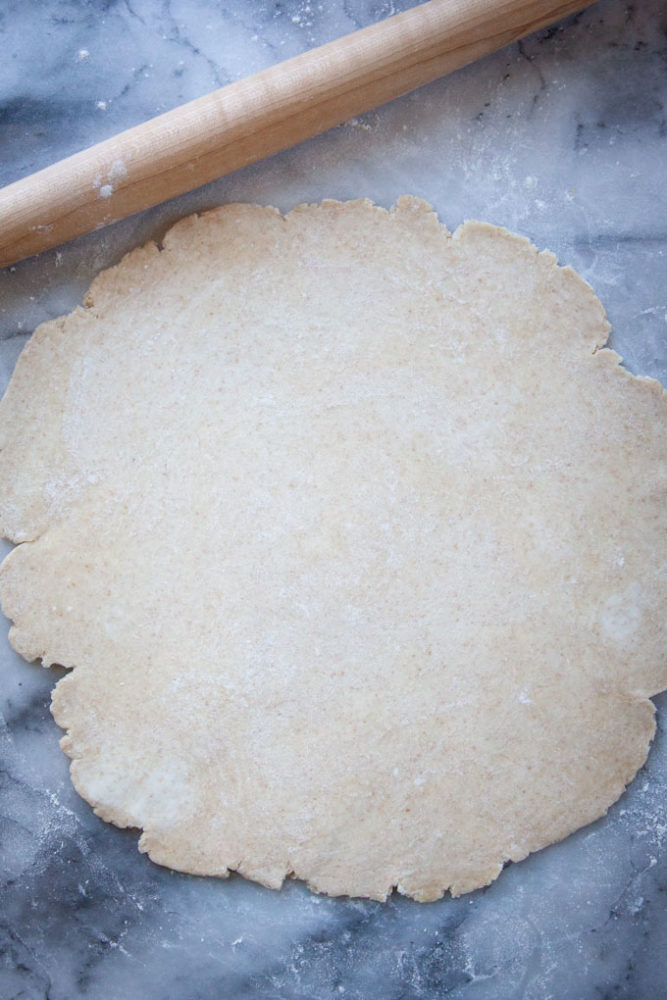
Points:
(150, 842)
(124, 278)
(606, 358)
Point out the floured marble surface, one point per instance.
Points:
(560, 138)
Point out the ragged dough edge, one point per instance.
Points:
(272, 877)
(129, 277)
(408, 211)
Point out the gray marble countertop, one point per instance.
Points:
(561, 138)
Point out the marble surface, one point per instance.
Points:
(562, 138)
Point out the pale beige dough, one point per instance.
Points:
(354, 539)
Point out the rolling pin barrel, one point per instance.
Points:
(258, 116)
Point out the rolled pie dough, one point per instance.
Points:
(354, 538)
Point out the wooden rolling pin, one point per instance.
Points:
(258, 116)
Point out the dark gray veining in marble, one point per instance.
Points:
(563, 138)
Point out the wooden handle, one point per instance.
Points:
(258, 116)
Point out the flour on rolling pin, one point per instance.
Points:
(104, 183)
